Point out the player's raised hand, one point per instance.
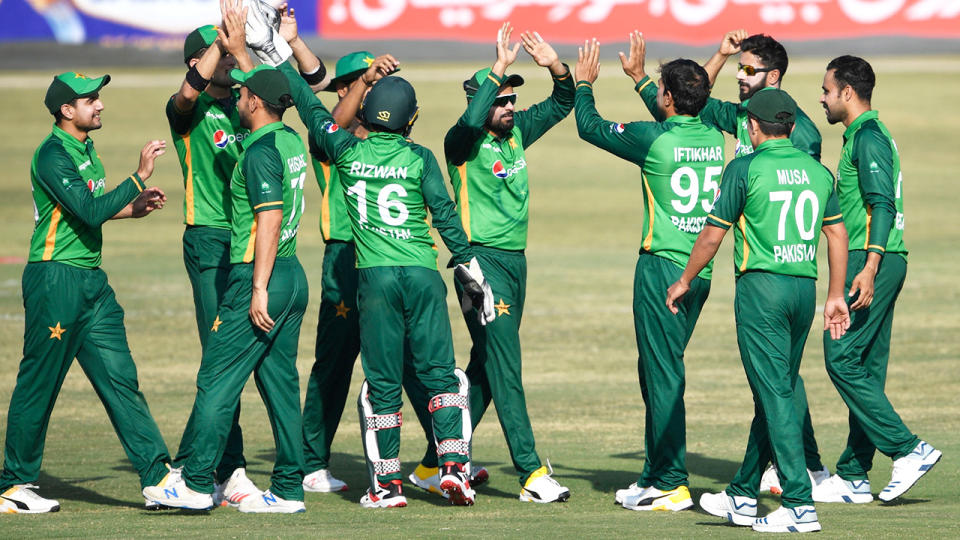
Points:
(675, 293)
(232, 33)
(288, 23)
(863, 283)
(258, 310)
(588, 61)
(150, 152)
(541, 51)
(730, 44)
(836, 317)
(633, 64)
(505, 54)
(381, 66)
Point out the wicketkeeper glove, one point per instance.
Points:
(476, 291)
(263, 33)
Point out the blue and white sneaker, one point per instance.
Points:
(172, 491)
(737, 510)
(798, 519)
(908, 469)
(838, 490)
(268, 503)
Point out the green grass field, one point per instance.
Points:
(579, 349)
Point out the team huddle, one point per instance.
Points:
(383, 297)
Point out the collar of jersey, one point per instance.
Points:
(256, 135)
(683, 119)
(773, 143)
(855, 125)
(70, 140)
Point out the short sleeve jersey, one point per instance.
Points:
(334, 221)
(732, 118)
(489, 172)
(208, 140)
(777, 198)
(870, 187)
(70, 202)
(270, 176)
(681, 162)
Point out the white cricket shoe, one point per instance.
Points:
(321, 481)
(172, 491)
(838, 490)
(455, 484)
(427, 479)
(735, 509)
(799, 519)
(20, 500)
(654, 499)
(237, 488)
(540, 487)
(389, 495)
(908, 469)
(770, 481)
(630, 491)
(268, 503)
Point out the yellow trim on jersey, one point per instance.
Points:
(746, 245)
(725, 222)
(644, 85)
(866, 238)
(271, 203)
(831, 218)
(252, 243)
(464, 202)
(561, 77)
(872, 246)
(134, 178)
(51, 242)
(584, 83)
(651, 211)
(188, 182)
(490, 76)
(325, 202)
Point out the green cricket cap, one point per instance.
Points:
(773, 105)
(351, 66)
(266, 82)
(199, 39)
(69, 86)
(471, 85)
(391, 103)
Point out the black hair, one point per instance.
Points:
(58, 116)
(768, 50)
(854, 72)
(773, 129)
(687, 83)
(277, 110)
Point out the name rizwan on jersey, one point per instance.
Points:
(366, 170)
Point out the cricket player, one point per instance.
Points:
(680, 160)
(870, 189)
(763, 63)
(258, 323)
(71, 310)
(488, 168)
(778, 199)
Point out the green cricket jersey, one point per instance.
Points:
(269, 177)
(489, 173)
(778, 197)
(681, 162)
(869, 187)
(69, 203)
(208, 140)
(334, 221)
(389, 183)
(732, 118)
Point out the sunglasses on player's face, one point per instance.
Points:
(750, 71)
(503, 99)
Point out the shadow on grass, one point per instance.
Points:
(61, 490)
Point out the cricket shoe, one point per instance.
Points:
(456, 484)
(735, 509)
(540, 487)
(237, 488)
(152, 506)
(172, 491)
(630, 491)
(798, 519)
(908, 469)
(770, 481)
(268, 503)
(427, 479)
(389, 495)
(673, 500)
(19, 499)
(321, 481)
(838, 490)
(478, 476)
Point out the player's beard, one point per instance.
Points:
(746, 92)
(833, 116)
(500, 124)
(245, 121)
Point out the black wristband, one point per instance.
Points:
(317, 76)
(196, 80)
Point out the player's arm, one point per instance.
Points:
(729, 46)
(634, 66)
(836, 315)
(873, 157)
(443, 210)
(263, 173)
(346, 109)
(538, 119)
(195, 82)
(325, 132)
(311, 67)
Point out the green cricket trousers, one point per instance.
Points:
(72, 313)
(235, 350)
(206, 256)
(857, 365)
(774, 313)
(661, 339)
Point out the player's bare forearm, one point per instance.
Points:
(837, 253)
(704, 250)
(265, 254)
(714, 65)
